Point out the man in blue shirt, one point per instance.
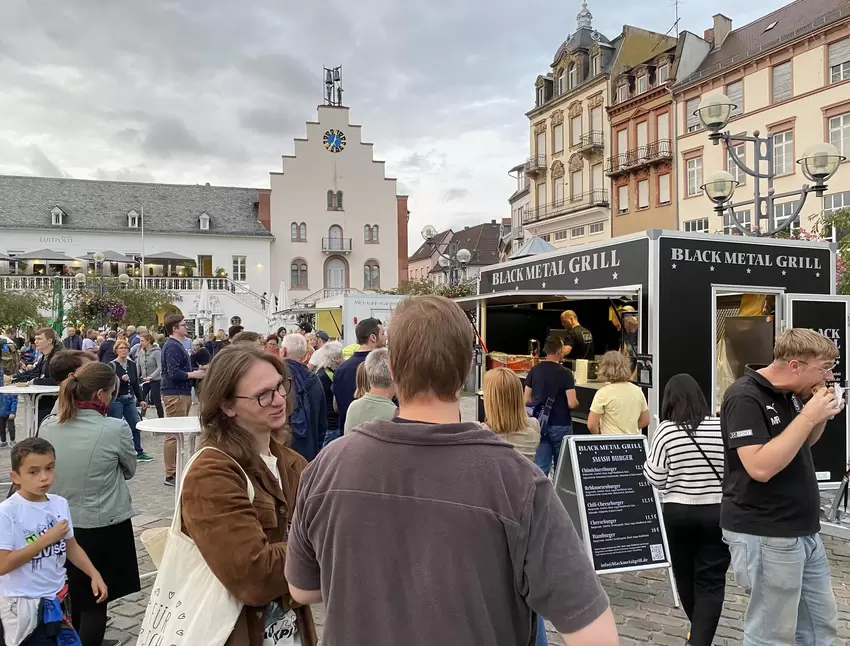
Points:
(370, 335)
(176, 385)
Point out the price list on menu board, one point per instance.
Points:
(620, 507)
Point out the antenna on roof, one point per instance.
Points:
(333, 86)
(676, 9)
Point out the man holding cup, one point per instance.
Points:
(770, 512)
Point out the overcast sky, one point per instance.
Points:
(194, 91)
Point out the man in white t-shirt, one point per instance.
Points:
(36, 536)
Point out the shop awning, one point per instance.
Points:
(531, 297)
(168, 258)
(110, 256)
(47, 255)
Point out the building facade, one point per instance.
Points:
(520, 203)
(788, 73)
(184, 233)
(337, 221)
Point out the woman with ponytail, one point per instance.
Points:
(95, 458)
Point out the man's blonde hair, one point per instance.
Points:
(803, 343)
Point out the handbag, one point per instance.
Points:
(188, 605)
(705, 457)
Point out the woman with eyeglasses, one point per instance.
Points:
(244, 409)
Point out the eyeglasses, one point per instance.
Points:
(821, 368)
(266, 398)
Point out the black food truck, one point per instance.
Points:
(706, 305)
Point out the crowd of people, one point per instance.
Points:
(300, 443)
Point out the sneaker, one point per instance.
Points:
(3, 445)
(169, 481)
(144, 457)
(13, 444)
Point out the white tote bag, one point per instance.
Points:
(188, 606)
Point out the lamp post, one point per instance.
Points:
(99, 259)
(819, 163)
(452, 258)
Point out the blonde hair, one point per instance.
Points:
(614, 368)
(504, 409)
(362, 381)
(803, 343)
(121, 343)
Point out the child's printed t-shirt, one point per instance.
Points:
(22, 522)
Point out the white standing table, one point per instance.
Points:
(29, 396)
(183, 428)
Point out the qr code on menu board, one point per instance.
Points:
(656, 552)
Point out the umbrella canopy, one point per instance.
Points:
(532, 247)
(3, 256)
(282, 298)
(110, 256)
(204, 310)
(48, 255)
(169, 257)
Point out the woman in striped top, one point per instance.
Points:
(685, 464)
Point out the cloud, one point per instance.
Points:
(455, 193)
(42, 165)
(169, 136)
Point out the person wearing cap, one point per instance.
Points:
(321, 338)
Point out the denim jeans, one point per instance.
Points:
(125, 408)
(549, 449)
(542, 640)
(791, 598)
(330, 435)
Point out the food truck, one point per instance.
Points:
(706, 305)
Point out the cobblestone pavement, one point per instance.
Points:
(642, 602)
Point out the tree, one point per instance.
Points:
(118, 305)
(423, 286)
(20, 310)
(824, 225)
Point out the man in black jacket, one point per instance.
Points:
(106, 351)
(47, 343)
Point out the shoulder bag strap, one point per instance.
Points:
(705, 457)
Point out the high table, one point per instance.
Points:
(182, 428)
(28, 396)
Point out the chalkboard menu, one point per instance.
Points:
(619, 513)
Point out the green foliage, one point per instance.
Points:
(423, 286)
(17, 309)
(140, 306)
(220, 272)
(824, 224)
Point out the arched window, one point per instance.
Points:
(573, 78)
(339, 200)
(562, 77)
(375, 237)
(298, 277)
(330, 200)
(302, 232)
(367, 234)
(293, 231)
(371, 275)
(133, 220)
(204, 222)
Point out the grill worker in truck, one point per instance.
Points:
(578, 341)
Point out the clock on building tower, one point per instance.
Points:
(334, 140)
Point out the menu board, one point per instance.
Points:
(620, 511)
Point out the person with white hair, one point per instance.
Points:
(327, 360)
(308, 421)
(378, 402)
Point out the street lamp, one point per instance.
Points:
(819, 163)
(452, 259)
(80, 279)
(99, 257)
(123, 280)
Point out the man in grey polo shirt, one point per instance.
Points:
(427, 530)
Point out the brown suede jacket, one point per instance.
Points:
(244, 544)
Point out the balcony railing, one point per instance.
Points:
(322, 294)
(336, 245)
(574, 204)
(535, 164)
(589, 141)
(657, 151)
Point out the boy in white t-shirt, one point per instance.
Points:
(36, 535)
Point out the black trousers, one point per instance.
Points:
(153, 387)
(7, 424)
(700, 559)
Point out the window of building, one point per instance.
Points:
(367, 234)
(839, 61)
(735, 92)
(331, 200)
(298, 232)
(642, 83)
(371, 275)
(547, 237)
(662, 74)
(559, 193)
(298, 274)
(597, 227)
(697, 226)
(541, 195)
(691, 118)
(562, 81)
(561, 235)
(694, 167)
(745, 217)
(204, 222)
(741, 152)
(623, 198)
(622, 93)
(643, 194)
(577, 232)
(783, 212)
(839, 133)
(836, 201)
(595, 65)
(576, 185)
(783, 152)
(240, 266)
(575, 130)
(662, 128)
(782, 84)
(541, 96)
(664, 188)
(339, 200)
(302, 232)
(133, 220)
(573, 76)
(236, 320)
(558, 138)
(58, 216)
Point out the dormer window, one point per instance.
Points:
(573, 76)
(642, 83)
(204, 222)
(562, 81)
(133, 220)
(662, 74)
(541, 95)
(595, 64)
(58, 216)
(623, 93)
